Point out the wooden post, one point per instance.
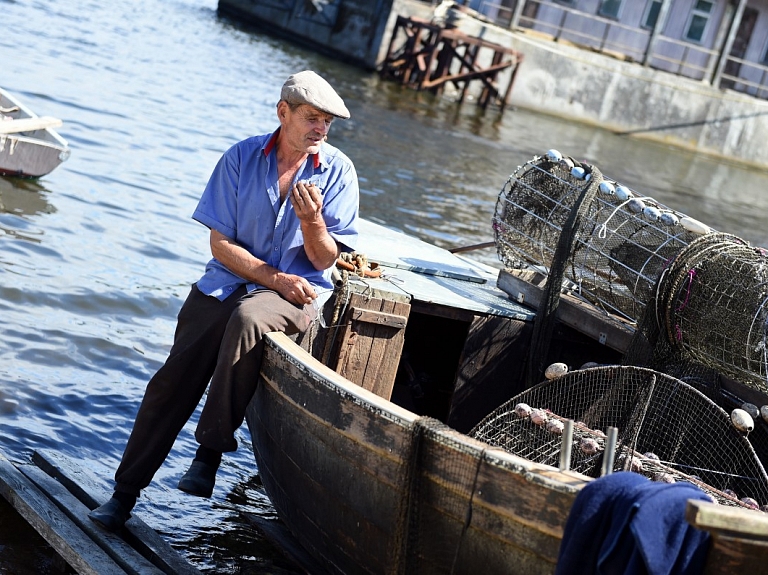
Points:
(657, 29)
(725, 52)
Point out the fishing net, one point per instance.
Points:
(709, 311)
(667, 430)
(620, 247)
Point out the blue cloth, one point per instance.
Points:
(242, 202)
(625, 524)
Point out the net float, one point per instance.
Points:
(742, 421)
(636, 205)
(652, 214)
(578, 172)
(555, 370)
(751, 409)
(623, 193)
(522, 410)
(749, 502)
(607, 188)
(764, 413)
(588, 446)
(663, 478)
(554, 156)
(694, 226)
(539, 416)
(555, 426)
(669, 219)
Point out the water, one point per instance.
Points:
(96, 258)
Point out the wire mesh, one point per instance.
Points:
(667, 430)
(623, 243)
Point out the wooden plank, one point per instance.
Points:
(92, 492)
(571, 311)
(728, 555)
(122, 553)
(724, 519)
(52, 524)
(379, 318)
(369, 353)
(28, 124)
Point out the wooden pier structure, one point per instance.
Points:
(54, 495)
(426, 56)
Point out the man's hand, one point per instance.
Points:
(293, 288)
(307, 202)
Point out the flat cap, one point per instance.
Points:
(307, 87)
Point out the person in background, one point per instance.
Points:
(280, 208)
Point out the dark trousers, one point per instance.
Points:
(216, 341)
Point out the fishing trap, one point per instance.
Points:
(621, 241)
(667, 431)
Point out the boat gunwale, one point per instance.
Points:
(59, 141)
(536, 473)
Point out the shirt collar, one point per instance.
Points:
(270, 145)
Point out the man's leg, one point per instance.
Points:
(169, 400)
(235, 377)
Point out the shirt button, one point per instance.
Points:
(275, 249)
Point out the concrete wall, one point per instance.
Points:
(579, 85)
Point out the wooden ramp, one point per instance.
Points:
(54, 495)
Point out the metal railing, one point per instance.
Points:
(610, 37)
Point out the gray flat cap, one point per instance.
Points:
(309, 88)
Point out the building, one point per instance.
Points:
(720, 42)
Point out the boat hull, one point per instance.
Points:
(368, 487)
(28, 154)
(29, 157)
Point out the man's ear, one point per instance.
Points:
(282, 109)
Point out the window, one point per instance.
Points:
(610, 8)
(698, 21)
(651, 14)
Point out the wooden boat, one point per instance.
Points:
(29, 147)
(360, 430)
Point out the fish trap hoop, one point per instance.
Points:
(623, 242)
(666, 430)
(712, 308)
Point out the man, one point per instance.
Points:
(280, 208)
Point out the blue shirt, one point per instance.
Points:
(242, 202)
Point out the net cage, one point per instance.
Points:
(667, 431)
(622, 243)
(710, 310)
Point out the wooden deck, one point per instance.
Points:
(54, 495)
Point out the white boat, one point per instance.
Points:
(29, 147)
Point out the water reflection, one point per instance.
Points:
(20, 199)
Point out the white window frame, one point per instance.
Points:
(612, 16)
(648, 7)
(764, 58)
(696, 13)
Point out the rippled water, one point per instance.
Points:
(96, 258)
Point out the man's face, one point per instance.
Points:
(305, 127)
